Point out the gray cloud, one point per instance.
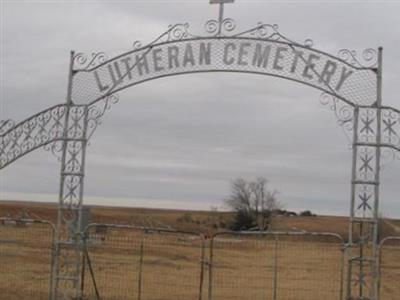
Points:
(179, 140)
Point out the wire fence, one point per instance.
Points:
(26, 248)
(285, 266)
(127, 262)
(390, 268)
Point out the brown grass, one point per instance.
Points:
(243, 267)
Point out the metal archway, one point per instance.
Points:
(351, 88)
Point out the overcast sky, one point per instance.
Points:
(177, 142)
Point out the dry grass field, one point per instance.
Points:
(162, 265)
(199, 221)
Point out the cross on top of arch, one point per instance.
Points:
(221, 12)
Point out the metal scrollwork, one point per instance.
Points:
(175, 32)
(271, 32)
(266, 31)
(343, 112)
(6, 125)
(55, 148)
(391, 127)
(211, 26)
(97, 111)
(83, 61)
(388, 156)
(47, 128)
(309, 43)
(137, 45)
(390, 136)
(178, 32)
(73, 162)
(36, 131)
(367, 59)
(217, 28)
(76, 121)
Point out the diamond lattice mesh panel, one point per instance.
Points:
(285, 60)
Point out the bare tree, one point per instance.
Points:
(254, 204)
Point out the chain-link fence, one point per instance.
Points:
(26, 248)
(126, 262)
(284, 266)
(390, 268)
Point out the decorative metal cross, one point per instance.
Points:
(367, 122)
(221, 11)
(364, 201)
(366, 164)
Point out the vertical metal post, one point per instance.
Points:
(68, 257)
(275, 269)
(83, 270)
(364, 265)
(220, 17)
(375, 242)
(64, 143)
(89, 263)
(361, 268)
(352, 201)
(353, 173)
(202, 261)
(344, 251)
(141, 266)
(52, 258)
(210, 268)
(379, 270)
(61, 188)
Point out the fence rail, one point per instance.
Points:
(138, 263)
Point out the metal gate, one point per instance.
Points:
(125, 262)
(276, 265)
(26, 259)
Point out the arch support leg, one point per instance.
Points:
(67, 267)
(363, 260)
